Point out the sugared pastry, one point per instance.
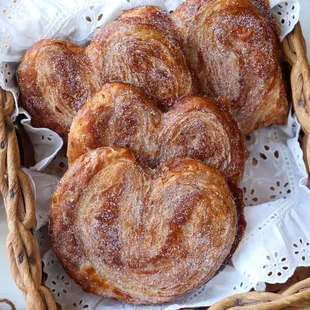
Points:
(119, 115)
(196, 127)
(142, 236)
(55, 79)
(233, 48)
(203, 129)
(141, 47)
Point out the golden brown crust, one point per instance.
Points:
(107, 233)
(198, 128)
(55, 80)
(232, 47)
(195, 127)
(142, 48)
(120, 115)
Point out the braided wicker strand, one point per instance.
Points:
(8, 302)
(22, 249)
(295, 50)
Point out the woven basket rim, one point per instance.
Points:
(22, 249)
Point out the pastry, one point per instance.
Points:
(55, 80)
(141, 47)
(203, 129)
(233, 48)
(142, 236)
(196, 127)
(118, 115)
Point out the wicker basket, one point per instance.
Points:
(22, 249)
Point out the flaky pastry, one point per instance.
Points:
(141, 47)
(55, 80)
(233, 48)
(196, 127)
(139, 235)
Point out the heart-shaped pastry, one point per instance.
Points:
(233, 48)
(55, 80)
(141, 47)
(196, 127)
(139, 235)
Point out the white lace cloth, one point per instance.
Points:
(277, 238)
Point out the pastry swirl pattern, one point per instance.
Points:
(55, 80)
(141, 47)
(106, 230)
(233, 48)
(196, 127)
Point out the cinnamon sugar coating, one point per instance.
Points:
(142, 48)
(196, 127)
(233, 49)
(119, 115)
(139, 235)
(55, 80)
(203, 129)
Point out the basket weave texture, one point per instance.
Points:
(22, 249)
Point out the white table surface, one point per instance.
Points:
(7, 285)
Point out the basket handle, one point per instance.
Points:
(22, 249)
(295, 51)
